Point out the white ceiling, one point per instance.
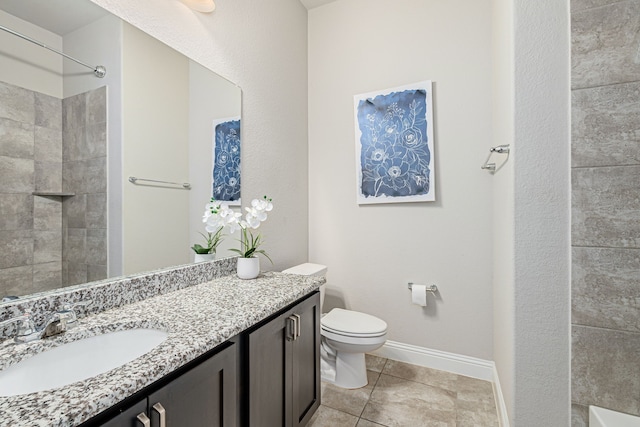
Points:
(58, 16)
(310, 4)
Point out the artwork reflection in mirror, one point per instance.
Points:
(70, 140)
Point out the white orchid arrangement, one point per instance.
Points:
(218, 215)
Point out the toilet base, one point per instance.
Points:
(351, 370)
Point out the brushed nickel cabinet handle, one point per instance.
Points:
(293, 328)
(160, 410)
(298, 326)
(142, 417)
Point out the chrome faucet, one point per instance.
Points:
(56, 323)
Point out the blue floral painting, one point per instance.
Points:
(226, 160)
(394, 144)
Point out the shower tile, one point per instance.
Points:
(16, 139)
(73, 146)
(605, 125)
(399, 402)
(48, 111)
(605, 288)
(97, 175)
(328, 417)
(97, 247)
(579, 5)
(96, 272)
(16, 281)
(47, 276)
(605, 368)
(96, 210)
(16, 211)
(579, 416)
(428, 376)
(73, 176)
(96, 102)
(85, 176)
(73, 111)
(346, 400)
(76, 274)
(17, 103)
(75, 248)
(48, 145)
(48, 176)
(606, 206)
(605, 45)
(75, 210)
(47, 246)
(96, 140)
(16, 248)
(16, 175)
(47, 213)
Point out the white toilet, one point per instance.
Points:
(346, 336)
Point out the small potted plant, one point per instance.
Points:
(208, 252)
(222, 215)
(249, 263)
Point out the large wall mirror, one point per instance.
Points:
(70, 141)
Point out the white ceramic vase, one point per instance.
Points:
(203, 257)
(248, 268)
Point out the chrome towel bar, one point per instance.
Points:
(185, 185)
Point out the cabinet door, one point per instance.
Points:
(284, 367)
(269, 390)
(128, 417)
(205, 396)
(306, 362)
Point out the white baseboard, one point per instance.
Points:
(436, 359)
(503, 418)
(449, 362)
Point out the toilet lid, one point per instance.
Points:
(349, 322)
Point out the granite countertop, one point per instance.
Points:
(197, 319)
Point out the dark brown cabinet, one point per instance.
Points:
(204, 396)
(283, 375)
(268, 376)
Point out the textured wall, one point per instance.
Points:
(372, 251)
(606, 206)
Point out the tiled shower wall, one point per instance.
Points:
(84, 172)
(31, 160)
(606, 206)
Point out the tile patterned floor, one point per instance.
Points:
(404, 395)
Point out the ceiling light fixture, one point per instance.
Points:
(205, 6)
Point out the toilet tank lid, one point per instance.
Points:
(307, 269)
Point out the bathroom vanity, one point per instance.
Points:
(238, 353)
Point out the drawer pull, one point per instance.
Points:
(142, 418)
(160, 410)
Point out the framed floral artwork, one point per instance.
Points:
(394, 145)
(225, 176)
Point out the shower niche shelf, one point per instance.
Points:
(53, 194)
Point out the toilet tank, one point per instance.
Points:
(310, 269)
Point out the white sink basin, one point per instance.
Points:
(77, 361)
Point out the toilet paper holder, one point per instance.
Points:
(433, 288)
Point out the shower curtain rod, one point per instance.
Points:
(99, 70)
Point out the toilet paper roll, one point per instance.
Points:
(419, 295)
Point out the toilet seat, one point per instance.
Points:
(353, 324)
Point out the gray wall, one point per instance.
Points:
(606, 206)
